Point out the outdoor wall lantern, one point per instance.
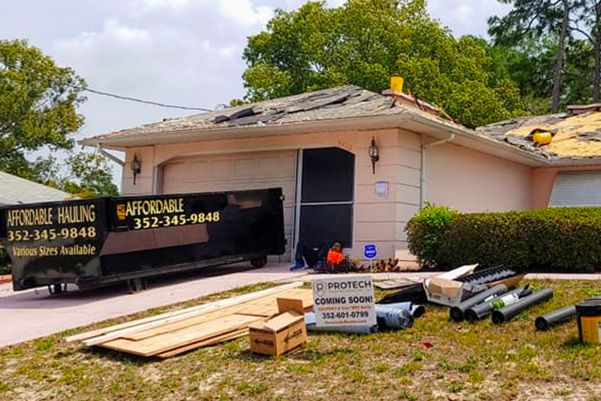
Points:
(136, 167)
(374, 154)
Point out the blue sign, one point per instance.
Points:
(370, 251)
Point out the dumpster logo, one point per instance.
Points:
(121, 211)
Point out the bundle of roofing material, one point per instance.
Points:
(481, 310)
(490, 276)
(175, 332)
(509, 312)
(557, 317)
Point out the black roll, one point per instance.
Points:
(555, 317)
(457, 312)
(484, 309)
(507, 313)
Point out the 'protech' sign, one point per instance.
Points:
(344, 301)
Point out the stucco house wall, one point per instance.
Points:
(471, 181)
(379, 220)
(543, 180)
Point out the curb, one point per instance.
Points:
(6, 279)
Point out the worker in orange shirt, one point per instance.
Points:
(335, 260)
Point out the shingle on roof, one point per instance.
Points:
(328, 104)
(15, 190)
(575, 136)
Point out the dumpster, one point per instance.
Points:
(93, 242)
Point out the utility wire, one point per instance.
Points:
(133, 99)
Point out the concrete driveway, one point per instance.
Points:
(30, 314)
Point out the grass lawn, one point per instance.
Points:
(467, 362)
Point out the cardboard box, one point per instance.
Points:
(278, 335)
(450, 292)
(288, 304)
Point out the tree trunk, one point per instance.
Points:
(597, 71)
(597, 54)
(561, 48)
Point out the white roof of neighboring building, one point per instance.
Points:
(15, 190)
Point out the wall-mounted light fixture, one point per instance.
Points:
(374, 154)
(136, 167)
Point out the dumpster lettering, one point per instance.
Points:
(150, 207)
(29, 217)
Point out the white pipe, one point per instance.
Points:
(422, 170)
(110, 156)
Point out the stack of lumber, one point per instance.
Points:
(175, 332)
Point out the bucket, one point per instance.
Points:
(588, 315)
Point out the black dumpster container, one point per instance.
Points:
(92, 242)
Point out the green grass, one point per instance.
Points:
(478, 361)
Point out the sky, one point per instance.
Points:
(185, 52)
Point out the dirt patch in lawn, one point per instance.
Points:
(466, 362)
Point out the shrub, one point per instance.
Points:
(561, 239)
(427, 231)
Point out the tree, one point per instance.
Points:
(590, 15)
(90, 176)
(38, 102)
(363, 43)
(539, 18)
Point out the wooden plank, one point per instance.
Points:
(111, 334)
(168, 341)
(205, 343)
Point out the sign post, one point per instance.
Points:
(344, 301)
(370, 251)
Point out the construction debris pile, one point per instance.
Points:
(278, 319)
(173, 333)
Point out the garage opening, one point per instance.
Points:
(581, 188)
(240, 171)
(326, 199)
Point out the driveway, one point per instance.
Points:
(35, 313)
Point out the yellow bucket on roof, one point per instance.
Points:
(541, 137)
(396, 84)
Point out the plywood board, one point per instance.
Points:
(204, 343)
(168, 341)
(99, 336)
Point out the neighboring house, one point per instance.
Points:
(316, 146)
(15, 190)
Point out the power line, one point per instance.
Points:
(133, 99)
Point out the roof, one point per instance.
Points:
(576, 134)
(341, 108)
(340, 103)
(15, 190)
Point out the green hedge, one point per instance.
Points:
(560, 239)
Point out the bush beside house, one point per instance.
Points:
(560, 239)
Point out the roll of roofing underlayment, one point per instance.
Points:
(484, 309)
(457, 312)
(508, 312)
(557, 317)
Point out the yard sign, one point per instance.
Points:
(344, 301)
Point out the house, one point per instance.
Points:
(15, 190)
(354, 165)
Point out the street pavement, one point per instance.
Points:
(35, 313)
